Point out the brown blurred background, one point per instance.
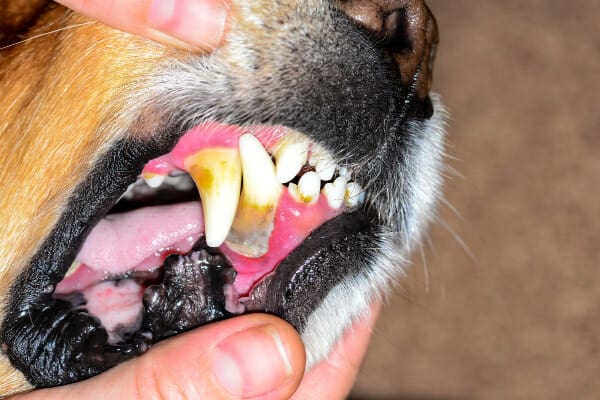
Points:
(521, 318)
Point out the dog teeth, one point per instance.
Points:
(344, 173)
(290, 155)
(323, 163)
(217, 173)
(253, 222)
(182, 182)
(335, 192)
(153, 180)
(354, 195)
(309, 186)
(240, 187)
(73, 268)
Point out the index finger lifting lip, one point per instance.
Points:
(189, 24)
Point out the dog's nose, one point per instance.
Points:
(407, 29)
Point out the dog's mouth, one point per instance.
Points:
(236, 200)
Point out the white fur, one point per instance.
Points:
(353, 297)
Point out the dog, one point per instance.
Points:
(319, 110)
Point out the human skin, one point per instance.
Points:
(197, 25)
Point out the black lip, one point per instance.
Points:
(330, 254)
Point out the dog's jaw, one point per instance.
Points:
(352, 107)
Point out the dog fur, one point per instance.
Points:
(71, 97)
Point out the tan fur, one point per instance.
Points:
(47, 130)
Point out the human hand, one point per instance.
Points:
(251, 356)
(188, 24)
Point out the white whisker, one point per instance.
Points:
(48, 33)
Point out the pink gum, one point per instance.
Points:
(210, 134)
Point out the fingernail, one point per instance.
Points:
(252, 362)
(199, 23)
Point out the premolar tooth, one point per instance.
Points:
(355, 195)
(309, 186)
(217, 173)
(131, 189)
(334, 192)
(290, 155)
(182, 182)
(255, 215)
(153, 180)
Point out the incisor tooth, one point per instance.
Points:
(153, 180)
(334, 192)
(217, 173)
(323, 163)
(344, 172)
(253, 221)
(325, 170)
(309, 186)
(354, 195)
(290, 156)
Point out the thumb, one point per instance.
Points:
(244, 357)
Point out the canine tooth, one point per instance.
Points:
(255, 215)
(354, 195)
(334, 192)
(217, 173)
(290, 154)
(153, 180)
(309, 186)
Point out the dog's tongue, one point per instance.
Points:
(143, 238)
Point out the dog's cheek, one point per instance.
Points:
(64, 90)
